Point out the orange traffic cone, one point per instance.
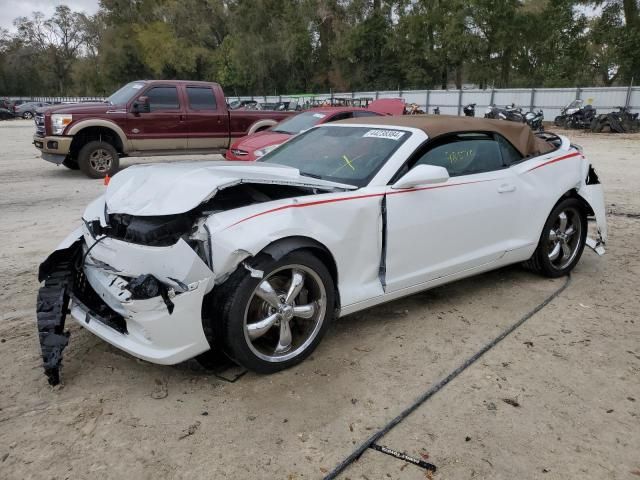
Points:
(107, 179)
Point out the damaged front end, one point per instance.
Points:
(138, 281)
(145, 300)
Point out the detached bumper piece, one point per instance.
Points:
(52, 309)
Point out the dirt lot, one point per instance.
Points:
(573, 369)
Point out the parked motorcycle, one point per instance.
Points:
(622, 121)
(581, 119)
(534, 120)
(470, 110)
(413, 109)
(575, 115)
(510, 113)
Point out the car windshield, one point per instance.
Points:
(122, 96)
(299, 123)
(351, 155)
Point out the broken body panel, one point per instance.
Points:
(238, 211)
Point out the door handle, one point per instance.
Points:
(506, 188)
(182, 118)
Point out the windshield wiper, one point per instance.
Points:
(281, 131)
(312, 175)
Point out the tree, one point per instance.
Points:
(616, 40)
(59, 39)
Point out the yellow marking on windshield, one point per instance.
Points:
(346, 159)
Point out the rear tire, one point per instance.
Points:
(597, 125)
(27, 115)
(98, 159)
(268, 333)
(562, 241)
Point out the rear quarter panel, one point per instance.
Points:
(544, 180)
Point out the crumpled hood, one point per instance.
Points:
(173, 188)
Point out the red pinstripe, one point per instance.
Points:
(554, 160)
(357, 197)
(343, 199)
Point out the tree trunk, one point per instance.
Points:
(631, 14)
(459, 76)
(505, 67)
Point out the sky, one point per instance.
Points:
(10, 9)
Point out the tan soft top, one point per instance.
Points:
(519, 134)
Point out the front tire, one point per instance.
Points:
(27, 115)
(562, 241)
(98, 159)
(271, 323)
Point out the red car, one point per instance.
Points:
(252, 147)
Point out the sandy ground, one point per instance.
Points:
(573, 369)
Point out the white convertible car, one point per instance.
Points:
(256, 259)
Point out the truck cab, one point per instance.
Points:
(144, 118)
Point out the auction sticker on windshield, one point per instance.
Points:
(388, 134)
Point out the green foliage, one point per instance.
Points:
(276, 46)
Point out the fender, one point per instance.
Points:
(285, 245)
(261, 124)
(594, 196)
(98, 122)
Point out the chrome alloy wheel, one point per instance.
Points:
(285, 313)
(564, 238)
(100, 160)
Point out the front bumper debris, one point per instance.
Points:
(144, 300)
(52, 308)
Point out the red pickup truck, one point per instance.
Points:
(143, 118)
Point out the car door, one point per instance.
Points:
(163, 127)
(208, 122)
(463, 223)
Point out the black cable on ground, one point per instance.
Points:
(624, 214)
(357, 453)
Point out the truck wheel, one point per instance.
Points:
(98, 159)
(70, 163)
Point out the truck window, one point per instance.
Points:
(163, 98)
(201, 98)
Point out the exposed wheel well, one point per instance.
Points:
(89, 134)
(283, 246)
(573, 193)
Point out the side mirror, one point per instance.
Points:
(422, 175)
(141, 105)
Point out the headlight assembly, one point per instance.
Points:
(263, 151)
(59, 122)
